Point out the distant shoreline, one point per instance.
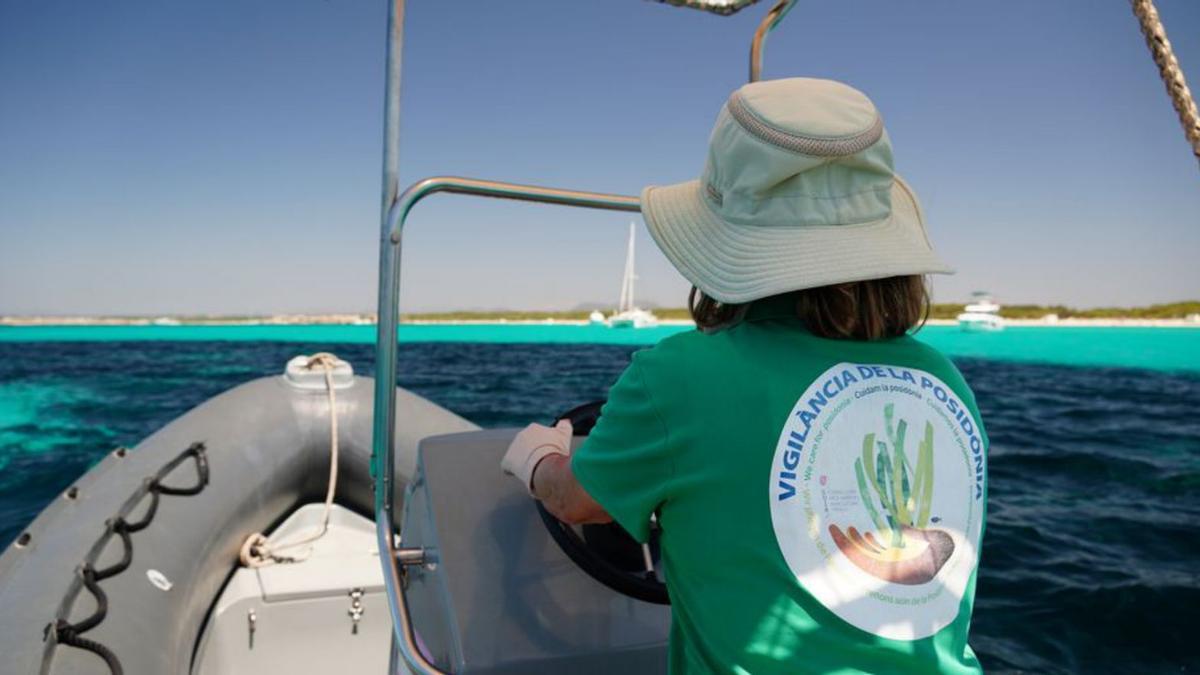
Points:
(1182, 314)
(466, 320)
(1085, 323)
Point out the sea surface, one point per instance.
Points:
(1135, 347)
(1091, 560)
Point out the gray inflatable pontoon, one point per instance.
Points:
(240, 463)
(135, 569)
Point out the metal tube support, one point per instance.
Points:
(500, 190)
(759, 44)
(404, 641)
(410, 556)
(389, 257)
(384, 421)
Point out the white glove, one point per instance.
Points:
(531, 445)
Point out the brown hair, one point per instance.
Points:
(861, 310)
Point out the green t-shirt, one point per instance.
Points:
(822, 502)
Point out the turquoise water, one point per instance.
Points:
(1093, 529)
(1092, 549)
(1171, 349)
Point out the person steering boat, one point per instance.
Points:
(819, 476)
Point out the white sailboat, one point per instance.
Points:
(628, 314)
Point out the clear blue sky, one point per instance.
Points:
(187, 157)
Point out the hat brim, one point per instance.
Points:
(735, 263)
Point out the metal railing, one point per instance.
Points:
(759, 44)
(394, 212)
(386, 347)
(768, 24)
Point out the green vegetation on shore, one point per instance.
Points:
(495, 316)
(673, 313)
(1174, 310)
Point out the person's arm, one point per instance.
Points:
(540, 457)
(554, 483)
(623, 471)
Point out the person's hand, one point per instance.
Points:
(531, 445)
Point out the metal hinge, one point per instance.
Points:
(251, 626)
(356, 609)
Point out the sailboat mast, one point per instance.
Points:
(632, 269)
(626, 302)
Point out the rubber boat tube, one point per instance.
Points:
(266, 444)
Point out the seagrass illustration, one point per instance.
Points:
(898, 497)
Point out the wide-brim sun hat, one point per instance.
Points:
(798, 192)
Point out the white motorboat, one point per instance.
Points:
(628, 314)
(981, 314)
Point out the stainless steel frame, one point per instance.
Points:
(384, 423)
(769, 22)
(394, 213)
(759, 44)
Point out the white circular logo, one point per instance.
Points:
(877, 497)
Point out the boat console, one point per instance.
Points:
(494, 592)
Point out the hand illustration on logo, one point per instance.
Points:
(905, 551)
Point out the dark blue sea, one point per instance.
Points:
(1091, 561)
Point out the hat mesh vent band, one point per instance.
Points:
(805, 145)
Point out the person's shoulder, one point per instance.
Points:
(680, 356)
(683, 346)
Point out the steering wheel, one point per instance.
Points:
(607, 552)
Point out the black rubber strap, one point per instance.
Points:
(67, 635)
(89, 582)
(71, 634)
(119, 528)
(150, 511)
(197, 452)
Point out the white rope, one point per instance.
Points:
(257, 551)
(1169, 70)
